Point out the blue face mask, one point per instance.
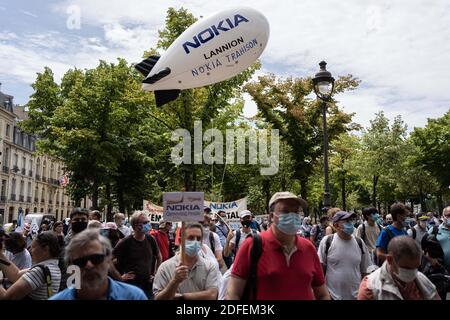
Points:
(289, 223)
(192, 247)
(349, 228)
(146, 227)
(376, 218)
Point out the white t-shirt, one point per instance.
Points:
(223, 287)
(126, 231)
(241, 240)
(345, 265)
(217, 244)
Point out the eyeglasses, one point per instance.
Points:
(96, 259)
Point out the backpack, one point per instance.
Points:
(238, 237)
(212, 242)
(363, 233)
(330, 240)
(255, 253)
(47, 279)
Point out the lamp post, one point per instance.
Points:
(323, 88)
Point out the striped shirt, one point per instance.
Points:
(36, 279)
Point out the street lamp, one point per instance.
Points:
(323, 87)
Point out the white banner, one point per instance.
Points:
(183, 206)
(155, 213)
(232, 209)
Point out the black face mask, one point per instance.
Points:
(79, 226)
(11, 246)
(246, 223)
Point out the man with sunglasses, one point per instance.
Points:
(138, 255)
(91, 252)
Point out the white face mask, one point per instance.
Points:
(406, 275)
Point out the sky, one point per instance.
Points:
(399, 49)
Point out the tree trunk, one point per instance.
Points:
(440, 202)
(120, 200)
(95, 195)
(344, 204)
(266, 190)
(374, 191)
(109, 203)
(304, 192)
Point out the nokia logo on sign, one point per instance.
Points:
(208, 34)
(183, 207)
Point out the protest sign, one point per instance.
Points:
(232, 210)
(183, 206)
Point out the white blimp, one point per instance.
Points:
(211, 50)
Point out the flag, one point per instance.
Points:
(34, 228)
(64, 181)
(20, 221)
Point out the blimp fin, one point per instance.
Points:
(164, 96)
(157, 76)
(146, 65)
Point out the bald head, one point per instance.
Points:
(404, 247)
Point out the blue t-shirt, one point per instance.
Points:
(443, 237)
(384, 239)
(117, 291)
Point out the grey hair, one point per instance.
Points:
(404, 246)
(83, 239)
(135, 217)
(119, 215)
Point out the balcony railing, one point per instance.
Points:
(21, 198)
(62, 203)
(30, 173)
(44, 179)
(5, 169)
(57, 202)
(28, 199)
(2, 199)
(36, 200)
(38, 177)
(24, 171)
(13, 197)
(15, 169)
(50, 201)
(42, 200)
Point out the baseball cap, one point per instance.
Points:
(244, 213)
(423, 217)
(286, 195)
(343, 215)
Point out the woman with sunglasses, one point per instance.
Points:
(90, 252)
(42, 280)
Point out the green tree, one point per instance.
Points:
(433, 143)
(286, 106)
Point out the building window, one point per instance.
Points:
(6, 158)
(8, 129)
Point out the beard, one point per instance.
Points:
(92, 279)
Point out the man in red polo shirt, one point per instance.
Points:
(162, 238)
(289, 267)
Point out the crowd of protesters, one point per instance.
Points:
(343, 256)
